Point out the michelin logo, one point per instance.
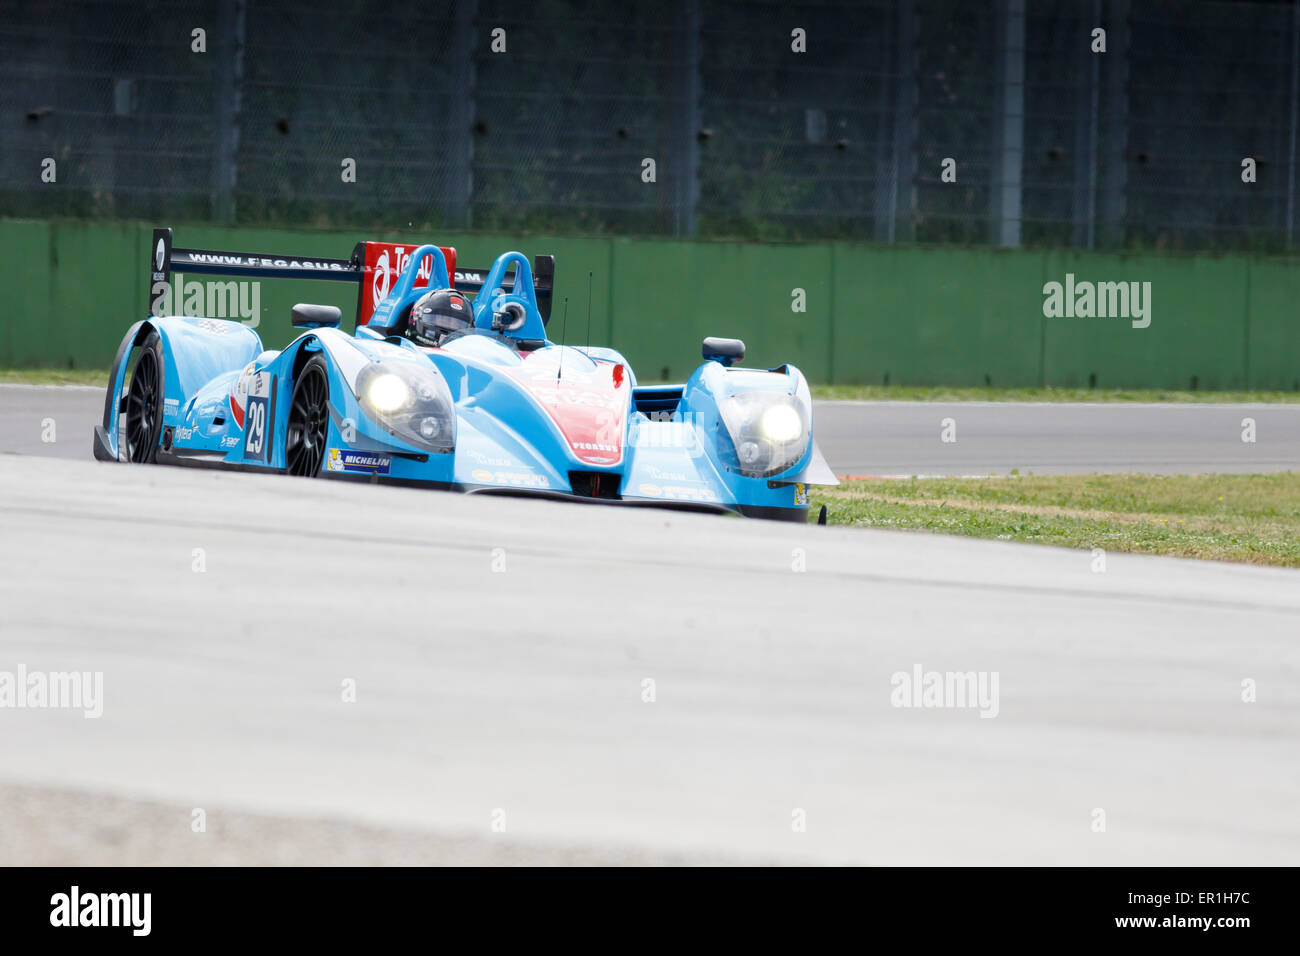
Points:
(358, 462)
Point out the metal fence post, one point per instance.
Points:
(685, 174)
(902, 205)
(1087, 81)
(229, 77)
(1295, 91)
(883, 183)
(458, 186)
(1114, 163)
(1009, 123)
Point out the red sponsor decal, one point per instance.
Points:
(239, 394)
(588, 407)
(383, 264)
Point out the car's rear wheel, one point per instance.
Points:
(304, 438)
(144, 403)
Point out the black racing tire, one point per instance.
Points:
(304, 436)
(142, 406)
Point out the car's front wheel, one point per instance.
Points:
(304, 438)
(144, 402)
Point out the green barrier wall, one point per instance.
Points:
(874, 315)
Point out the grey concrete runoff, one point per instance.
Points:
(604, 683)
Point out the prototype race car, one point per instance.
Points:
(449, 380)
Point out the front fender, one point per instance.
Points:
(702, 396)
(351, 425)
(195, 351)
(105, 441)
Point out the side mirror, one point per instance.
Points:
(308, 316)
(725, 351)
(510, 319)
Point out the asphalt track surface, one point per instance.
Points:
(890, 438)
(993, 438)
(500, 650)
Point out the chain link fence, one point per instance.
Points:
(944, 121)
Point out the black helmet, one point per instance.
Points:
(437, 314)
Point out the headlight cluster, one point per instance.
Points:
(411, 401)
(768, 431)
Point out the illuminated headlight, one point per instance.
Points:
(387, 393)
(767, 432)
(411, 401)
(780, 423)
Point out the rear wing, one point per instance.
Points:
(373, 266)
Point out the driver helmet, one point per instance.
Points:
(437, 314)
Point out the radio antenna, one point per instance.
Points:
(587, 348)
(564, 326)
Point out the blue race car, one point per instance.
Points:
(450, 381)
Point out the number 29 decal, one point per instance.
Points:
(257, 417)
